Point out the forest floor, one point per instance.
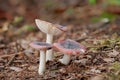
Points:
(94, 26)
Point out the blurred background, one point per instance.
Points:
(84, 18)
(55, 9)
(93, 23)
(23, 12)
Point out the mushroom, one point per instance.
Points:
(69, 47)
(51, 30)
(42, 46)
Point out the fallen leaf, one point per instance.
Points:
(62, 70)
(17, 69)
(98, 77)
(28, 52)
(4, 27)
(32, 68)
(24, 44)
(114, 53)
(82, 61)
(109, 60)
(95, 70)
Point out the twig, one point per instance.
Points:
(81, 38)
(11, 60)
(97, 31)
(8, 55)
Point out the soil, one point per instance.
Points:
(18, 61)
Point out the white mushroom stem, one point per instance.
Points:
(65, 60)
(42, 64)
(49, 53)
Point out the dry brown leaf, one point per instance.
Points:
(28, 52)
(32, 68)
(17, 69)
(114, 53)
(109, 60)
(82, 61)
(4, 27)
(98, 77)
(95, 70)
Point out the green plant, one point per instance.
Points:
(18, 19)
(28, 27)
(92, 2)
(110, 16)
(114, 74)
(116, 66)
(69, 11)
(112, 2)
(49, 4)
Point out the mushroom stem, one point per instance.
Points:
(49, 54)
(66, 59)
(49, 38)
(42, 64)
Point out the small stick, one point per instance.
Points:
(11, 60)
(97, 31)
(8, 55)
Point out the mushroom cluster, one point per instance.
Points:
(68, 47)
(50, 30)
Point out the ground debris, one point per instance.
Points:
(97, 77)
(17, 69)
(90, 25)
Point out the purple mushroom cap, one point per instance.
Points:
(70, 47)
(41, 45)
(62, 28)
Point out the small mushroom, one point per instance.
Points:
(51, 30)
(42, 46)
(69, 47)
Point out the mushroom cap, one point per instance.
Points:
(49, 28)
(70, 47)
(41, 45)
(62, 28)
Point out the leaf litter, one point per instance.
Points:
(101, 61)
